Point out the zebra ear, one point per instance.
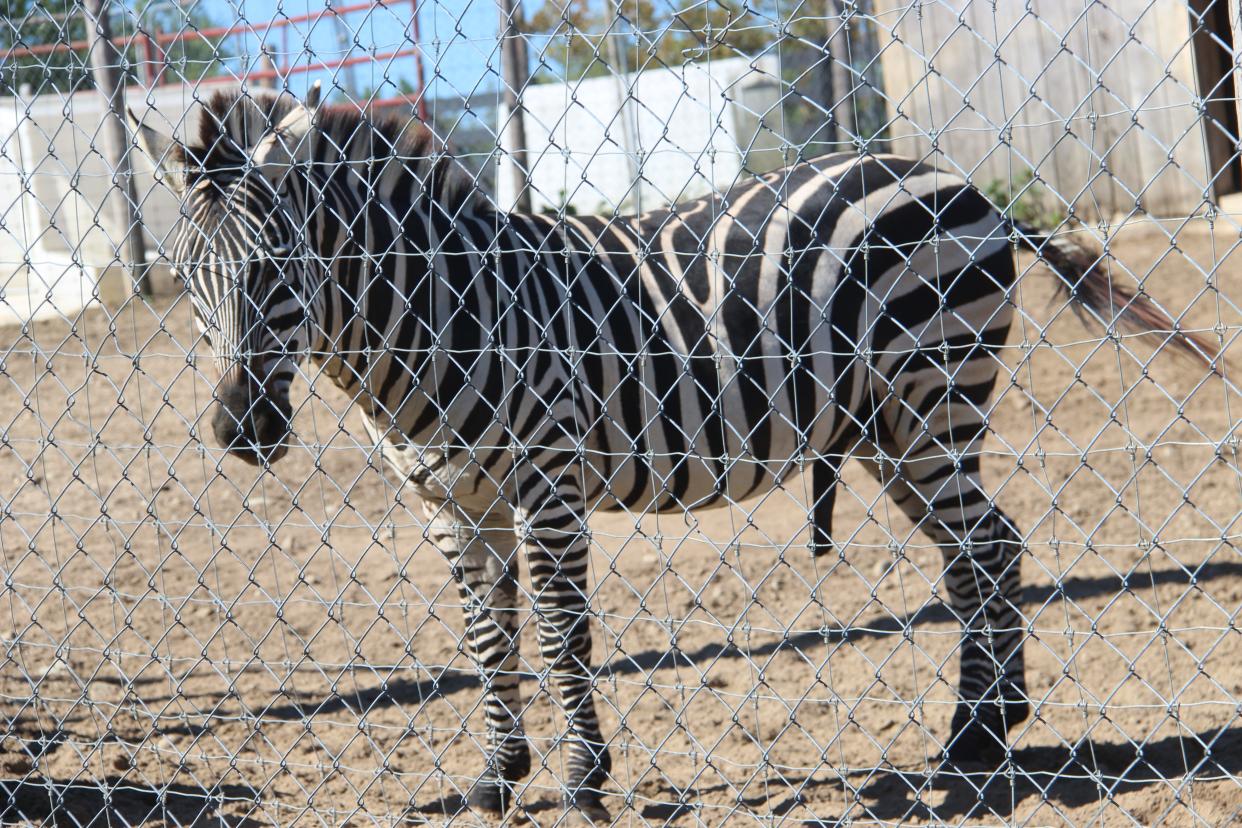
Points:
(301, 119)
(312, 97)
(291, 140)
(169, 155)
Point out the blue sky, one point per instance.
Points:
(458, 40)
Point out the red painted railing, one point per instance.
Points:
(155, 51)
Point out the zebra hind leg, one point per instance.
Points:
(984, 585)
(937, 483)
(983, 578)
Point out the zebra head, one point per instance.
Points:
(240, 249)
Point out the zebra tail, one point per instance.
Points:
(1098, 299)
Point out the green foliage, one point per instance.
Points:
(1025, 200)
(585, 38)
(31, 23)
(562, 207)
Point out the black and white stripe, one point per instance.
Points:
(521, 371)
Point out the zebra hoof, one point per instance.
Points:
(492, 795)
(587, 807)
(489, 796)
(980, 730)
(494, 790)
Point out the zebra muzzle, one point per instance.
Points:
(249, 424)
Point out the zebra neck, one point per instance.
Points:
(410, 317)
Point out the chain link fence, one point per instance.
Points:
(191, 640)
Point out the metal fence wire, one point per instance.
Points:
(344, 345)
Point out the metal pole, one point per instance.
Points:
(842, 127)
(268, 67)
(106, 62)
(513, 71)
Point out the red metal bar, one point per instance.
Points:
(266, 74)
(154, 53)
(50, 48)
(224, 31)
(214, 31)
(396, 100)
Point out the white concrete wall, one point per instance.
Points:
(59, 233)
(64, 163)
(679, 132)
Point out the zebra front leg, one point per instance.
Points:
(481, 548)
(984, 584)
(552, 527)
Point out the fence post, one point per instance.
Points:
(267, 68)
(841, 78)
(106, 63)
(1235, 30)
(343, 36)
(513, 72)
(417, 36)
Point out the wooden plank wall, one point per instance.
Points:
(1098, 96)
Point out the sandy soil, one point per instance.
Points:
(186, 641)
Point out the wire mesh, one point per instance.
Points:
(192, 639)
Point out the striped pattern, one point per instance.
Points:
(521, 371)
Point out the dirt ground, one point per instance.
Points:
(188, 641)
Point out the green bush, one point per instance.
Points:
(1025, 200)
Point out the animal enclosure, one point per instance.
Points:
(190, 639)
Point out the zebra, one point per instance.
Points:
(522, 370)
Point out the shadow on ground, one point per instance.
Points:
(1088, 772)
(117, 801)
(449, 681)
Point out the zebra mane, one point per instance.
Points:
(234, 122)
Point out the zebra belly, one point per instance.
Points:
(682, 446)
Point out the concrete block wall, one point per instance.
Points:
(680, 132)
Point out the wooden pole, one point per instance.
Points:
(841, 87)
(420, 81)
(344, 42)
(513, 71)
(268, 67)
(106, 63)
(1235, 29)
